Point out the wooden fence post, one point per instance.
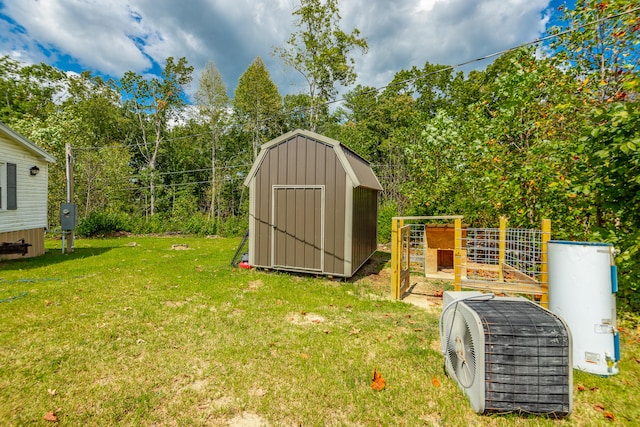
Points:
(457, 254)
(544, 259)
(395, 258)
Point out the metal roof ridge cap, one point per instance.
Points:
(342, 157)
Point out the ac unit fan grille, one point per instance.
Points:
(527, 358)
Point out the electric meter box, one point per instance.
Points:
(68, 215)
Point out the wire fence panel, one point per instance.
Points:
(524, 251)
(405, 259)
(483, 253)
(502, 260)
(417, 247)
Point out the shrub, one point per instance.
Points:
(233, 226)
(387, 211)
(100, 223)
(198, 224)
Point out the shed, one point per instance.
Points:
(24, 182)
(313, 206)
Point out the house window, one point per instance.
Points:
(8, 187)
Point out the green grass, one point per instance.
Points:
(128, 331)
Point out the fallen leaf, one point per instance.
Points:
(598, 407)
(581, 387)
(304, 356)
(51, 392)
(378, 381)
(435, 382)
(609, 415)
(50, 416)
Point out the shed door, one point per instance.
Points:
(298, 227)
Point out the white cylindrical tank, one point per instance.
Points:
(582, 286)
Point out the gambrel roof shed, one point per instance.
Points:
(313, 206)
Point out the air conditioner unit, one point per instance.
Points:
(507, 354)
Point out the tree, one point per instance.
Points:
(258, 104)
(615, 171)
(379, 127)
(98, 129)
(602, 48)
(28, 90)
(213, 102)
(523, 151)
(319, 51)
(155, 103)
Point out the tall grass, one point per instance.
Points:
(137, 331)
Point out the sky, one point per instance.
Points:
(110, 37)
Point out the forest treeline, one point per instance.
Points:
(550, 130)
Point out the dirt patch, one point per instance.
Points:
(180, 247)
(174, 303)
(255, 285)
(305, 318)
(423, 292)
(247, 419)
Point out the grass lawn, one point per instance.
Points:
(132, 331)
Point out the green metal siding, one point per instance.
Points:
(365, 225)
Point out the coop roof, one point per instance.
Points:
(358, 169)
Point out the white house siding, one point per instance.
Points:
(32, 191)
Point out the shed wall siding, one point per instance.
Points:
(31, 190)
(299, 161)
(365, 225)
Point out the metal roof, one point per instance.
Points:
(357, 168)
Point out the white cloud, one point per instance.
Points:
(114, 36)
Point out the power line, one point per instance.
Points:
(499, 53)
(302, 110)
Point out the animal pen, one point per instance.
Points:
(500, 260)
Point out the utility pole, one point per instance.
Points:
(70, 234)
